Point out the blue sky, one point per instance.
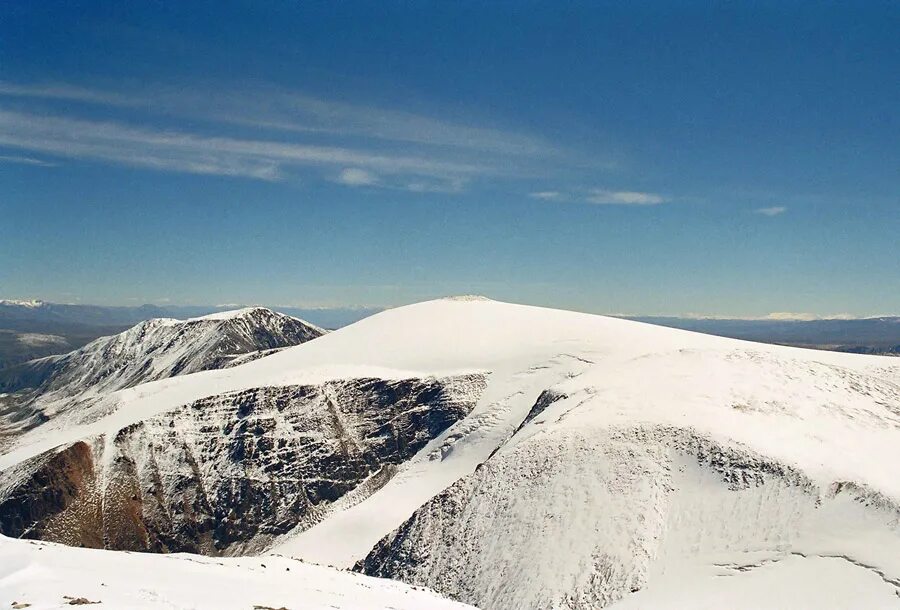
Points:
(643, 158)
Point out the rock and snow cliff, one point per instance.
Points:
(229, 473)
(570, 461)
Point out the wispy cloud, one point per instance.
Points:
(271, 108)
(773, 211)
(189, 152)
(263, 133)
(25, 161)
(296, 112)
(608, 197)
(353, 176)
(548, 195)
(450, 185)
(63, 91)
(356, 177)
(601, 197)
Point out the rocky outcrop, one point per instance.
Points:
(227, 474)
(55, 485)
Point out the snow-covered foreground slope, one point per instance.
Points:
(41, 576)
(603, 458)
(151, 350)
(823, 583)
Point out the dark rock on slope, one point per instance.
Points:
(226, 474)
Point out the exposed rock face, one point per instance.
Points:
(152, 350)
(226, 474)
(56, 483)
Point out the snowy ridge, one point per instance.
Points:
(231, 314)
(604, 459)
(151, 350)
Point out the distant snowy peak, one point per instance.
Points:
(262, 316)
(235, 313)
(165, 347)
(30, 304)
(151, 350)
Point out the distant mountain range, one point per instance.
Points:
(879, 335)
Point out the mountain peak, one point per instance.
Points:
(467, 298)
(151, 350)
(30, 303)
(232, 313)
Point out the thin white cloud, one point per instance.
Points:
(608, 197)
(193, 153)
(25, 161)
(807, 317)
(297, 112)
(547, 195)
(353, 176)
(773, 211)
(63, 91)
(447, 186)
(275, 109)
(356, 177)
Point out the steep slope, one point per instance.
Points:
(151, 350)
(226, 474)
(41, 576)
(721, 459)
(593, 457)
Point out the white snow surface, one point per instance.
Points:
(832, 417)
(794, 582)
(47, 576)
(228, 314)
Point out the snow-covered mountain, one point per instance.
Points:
(151, 350)
(504, 456)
